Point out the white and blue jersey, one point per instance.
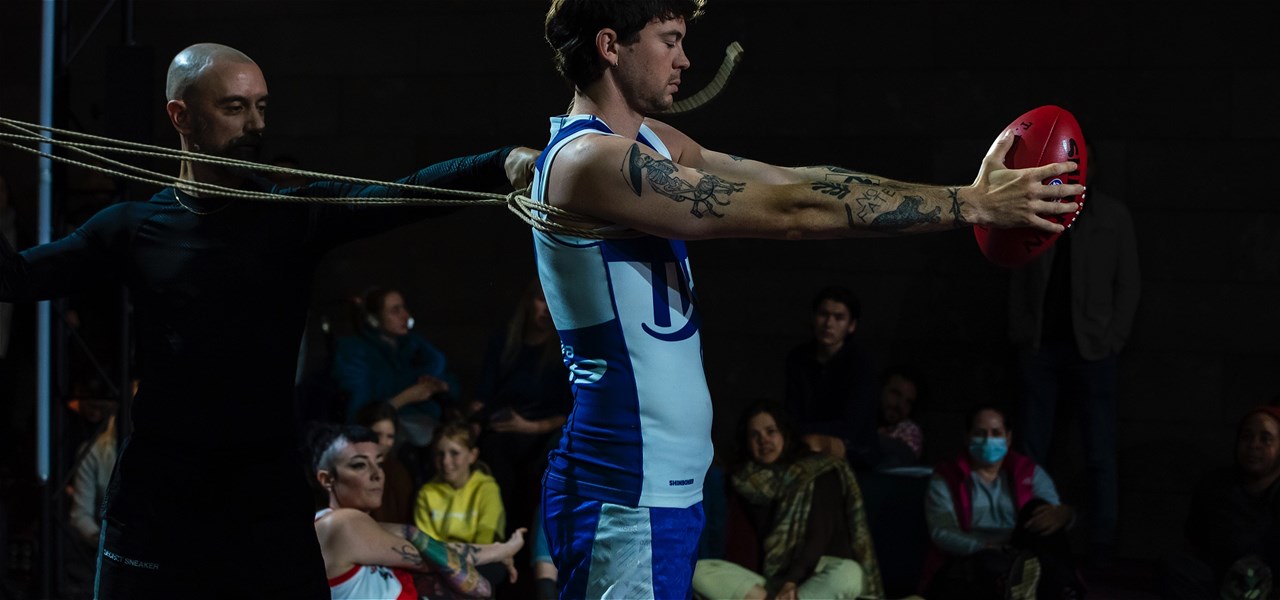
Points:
(640, 430)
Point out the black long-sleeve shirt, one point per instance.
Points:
(220, 301)
(836, 398)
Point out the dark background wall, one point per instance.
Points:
(1179, 101)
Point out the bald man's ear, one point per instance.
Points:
(179, 116)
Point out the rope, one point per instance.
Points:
(732, 56)
(535, 214)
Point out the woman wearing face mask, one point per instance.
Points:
(811, 538)
(997, 524)
(369, 560)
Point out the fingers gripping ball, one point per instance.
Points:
(1043, 135)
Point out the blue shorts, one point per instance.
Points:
(604, 550)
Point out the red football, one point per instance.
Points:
(1043, 135)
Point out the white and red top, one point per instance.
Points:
(371, 582)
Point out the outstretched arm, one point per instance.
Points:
(486, 172)
(88, 257)
(353, 537)
(619, 181)
(459, 558)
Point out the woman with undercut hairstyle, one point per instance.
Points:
(369, 560)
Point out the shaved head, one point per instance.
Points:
(191, 63)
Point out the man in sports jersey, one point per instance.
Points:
(623, 491)
(209, 497)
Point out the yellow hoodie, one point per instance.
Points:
(472, 514)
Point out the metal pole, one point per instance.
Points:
(44, 346)
(44, 235)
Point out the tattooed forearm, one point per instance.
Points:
(709, 193)
(907, 214)
(957, 217)
(458, 570)
(830, 173)
(839, 190)
(871, 200)
(467, 552)
(839, 183)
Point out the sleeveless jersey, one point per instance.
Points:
(639, 433)
(371, 582)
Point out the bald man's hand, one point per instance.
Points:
(519, 166)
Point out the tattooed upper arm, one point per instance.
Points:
(409, 554)
(707, 195)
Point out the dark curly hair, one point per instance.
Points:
(572, 25)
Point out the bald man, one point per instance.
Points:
(209, 497)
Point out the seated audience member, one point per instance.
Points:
(523, 400)
(462, 503)
(398, 486)
(368, 560)
(997, 525)
(901, 440)
(385, 361)
(805, 510)
(1233, 525)
(87, 490)
(89, 487)
(830, 384)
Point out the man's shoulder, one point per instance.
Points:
(123, 216)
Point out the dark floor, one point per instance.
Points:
(1126, 580)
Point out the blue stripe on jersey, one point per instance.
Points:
(604, 550)
(640, 430)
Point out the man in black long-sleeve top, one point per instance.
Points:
(831, 385)
(209, 497)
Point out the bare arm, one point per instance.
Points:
(349, 537)
(619, 181)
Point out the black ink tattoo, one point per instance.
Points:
(409, 554)
(707, 194)
(956, 203)
(848, 176)
(907, 214)
(634, 162)
(738, 158)
(839, 190)
(871, 201)
(467, 552)
(848, 214)
(838, 182)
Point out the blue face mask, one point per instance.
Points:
(988, 450)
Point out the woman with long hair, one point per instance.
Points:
(523, 400)
(805, 509)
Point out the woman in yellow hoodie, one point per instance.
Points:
(462, 503)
